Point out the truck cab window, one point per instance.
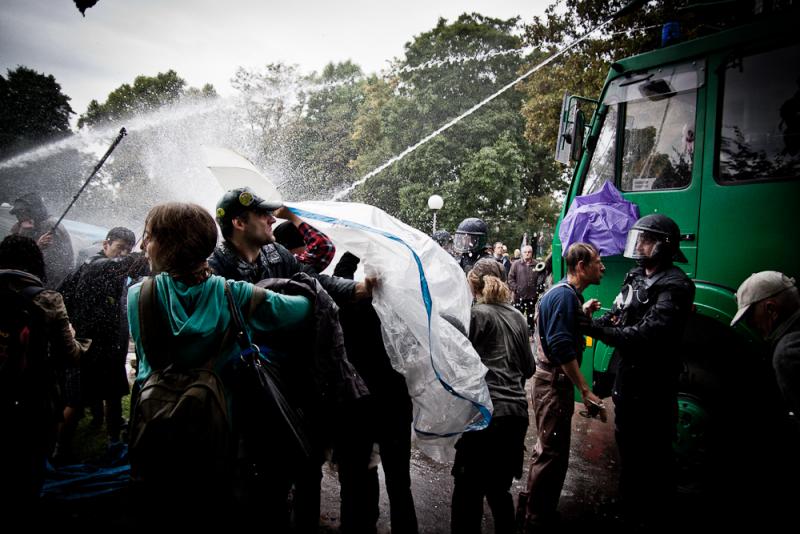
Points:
(601, 168)
(656, 148)
(760, 127)
(659, 142)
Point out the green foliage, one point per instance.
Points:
(483, 165)
(146, 94)
(583, 70)
(32, 109)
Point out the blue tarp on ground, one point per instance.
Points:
(87, 481)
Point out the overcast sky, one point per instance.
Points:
(206, 40)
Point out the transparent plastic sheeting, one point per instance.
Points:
(422, 300)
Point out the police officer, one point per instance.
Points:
(645, 326)
(470, 242)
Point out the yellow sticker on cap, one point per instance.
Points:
(220, 213)
(245, 198)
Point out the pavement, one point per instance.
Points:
(587, 500)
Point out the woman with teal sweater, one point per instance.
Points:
(192, 316)
(178, 238)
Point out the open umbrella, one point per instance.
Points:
(233, 170)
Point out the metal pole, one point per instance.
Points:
(122, 133)
(434, 222)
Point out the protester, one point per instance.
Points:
(309, 245)
(383, 418)
(30, 406)
(34, 221)
(488, 460)
(769, 303)
(501, 255)
(559, 351)
(249, 252)
(94, 294)
(645, 325)
(523, 279)
(193, 310)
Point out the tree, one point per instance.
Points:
(482, 166)
(583, 70)
(32, 109)
(146, 94)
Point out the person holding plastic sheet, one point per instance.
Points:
(30, 404)
(384, 417)
(487, 460)
(559, 348)
(309, 245)
(645, 325)
(178, 238)
(249, 251)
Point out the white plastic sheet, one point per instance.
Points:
(423, 300)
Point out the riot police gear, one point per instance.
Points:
(470, 236)
(654, 239)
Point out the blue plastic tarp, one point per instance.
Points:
(601, 219)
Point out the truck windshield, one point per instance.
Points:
(658, 111)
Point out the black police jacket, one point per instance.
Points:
(646, 325)
(274, 261)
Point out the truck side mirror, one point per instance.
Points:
(571, 128)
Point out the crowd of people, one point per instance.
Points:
(249, 324)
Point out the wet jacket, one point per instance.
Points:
(652, 315)
(64, 347)
(274, 261)
(499, 334)
(523, 280)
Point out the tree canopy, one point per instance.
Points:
(32, 109)
(146, 94)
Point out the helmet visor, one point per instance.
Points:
(463, 243)
(641, 244)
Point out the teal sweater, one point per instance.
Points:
(198, 316)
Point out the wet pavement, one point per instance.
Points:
(587, 499)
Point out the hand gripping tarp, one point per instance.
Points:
(422, 300)
(602, 219)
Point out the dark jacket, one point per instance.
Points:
(652, 315)
(317, 372)
(274, 261)
(499, 334)
(523, 280)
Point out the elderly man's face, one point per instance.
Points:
(527, 254)
(761, 316)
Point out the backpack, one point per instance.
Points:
(180, 431)
(27, 381)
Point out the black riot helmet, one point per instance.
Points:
(470, 236)
(442, 237)
(654, 239)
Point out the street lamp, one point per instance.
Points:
(435, 203)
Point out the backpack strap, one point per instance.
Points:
(31, 291)
(154, 339)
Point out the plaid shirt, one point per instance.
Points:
(319, 248)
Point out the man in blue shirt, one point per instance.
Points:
(559, 349)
